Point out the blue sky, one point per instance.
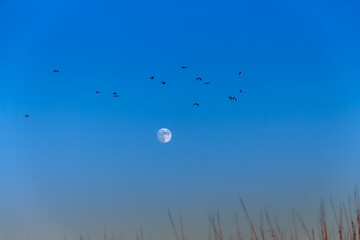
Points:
(83, 159)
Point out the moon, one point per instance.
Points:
(164, 135)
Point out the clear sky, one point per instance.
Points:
(88, 162)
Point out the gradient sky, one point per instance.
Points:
(87, 162)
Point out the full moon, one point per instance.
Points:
(164, 135)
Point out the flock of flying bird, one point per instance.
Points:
(115, 94)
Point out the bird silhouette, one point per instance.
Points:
(232, 98)
(27, 115)
(207, 82)
(199, 79)
(97, 91)
(56, 71)
(116, 95)
(196, 104)
(183, 67)
(163, 83)
(241, 90)
(239, 73)
(152, 77)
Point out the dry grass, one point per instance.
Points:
(346, 218)
(270, 229)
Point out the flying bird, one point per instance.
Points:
(56, 71)
(241, 90)
(183, 67)
(163, 83)
(27, 115)
(232, 98)
(97, 91)
(207, 82)
(196, 104)
(152, 77)
(116, 95)
(199, 79)
(239, 73)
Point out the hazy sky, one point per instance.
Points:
(88, 162)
